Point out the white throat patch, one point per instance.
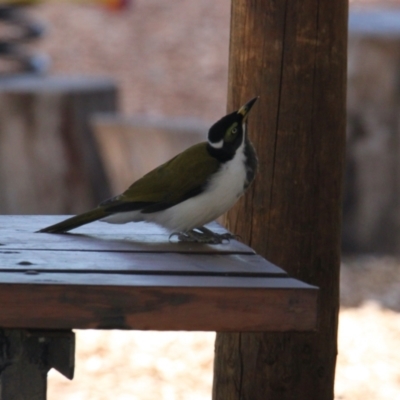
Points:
(217, 145)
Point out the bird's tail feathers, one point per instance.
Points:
(76, 221)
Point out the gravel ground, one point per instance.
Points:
(369, 329)
(170, 58)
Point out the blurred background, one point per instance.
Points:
(95, 93)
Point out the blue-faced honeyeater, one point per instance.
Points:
(187, 192)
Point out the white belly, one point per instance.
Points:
(220, 195)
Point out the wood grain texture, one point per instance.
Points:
(141, 263)
(181, 304)
(99, 284)
(292, 54)
(99, 236)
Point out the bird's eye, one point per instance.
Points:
(231, 133)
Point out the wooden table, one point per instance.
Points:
(131, 276)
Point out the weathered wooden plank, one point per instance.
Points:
(19, 232)
(125, 262)
(132, 277)
(65, 279)
(32, 223)
(133, 243)
(266, 304)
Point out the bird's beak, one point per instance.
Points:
(244, 110)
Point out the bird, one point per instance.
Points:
(190, 190)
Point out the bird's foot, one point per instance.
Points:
(203, 235)
(217, 238)
(184, 236)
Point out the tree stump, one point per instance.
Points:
(49, 163)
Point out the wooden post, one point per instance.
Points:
(371, 203)
(292, 54)
(27, 355)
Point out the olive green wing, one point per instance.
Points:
(179, 179)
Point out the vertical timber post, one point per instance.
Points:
(27, 355)
(292, 54)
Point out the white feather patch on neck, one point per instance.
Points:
(217, 145)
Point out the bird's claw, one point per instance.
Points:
(203, 235)
(182, 236)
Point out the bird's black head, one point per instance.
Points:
(228, 134)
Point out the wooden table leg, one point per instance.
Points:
(27, 355)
